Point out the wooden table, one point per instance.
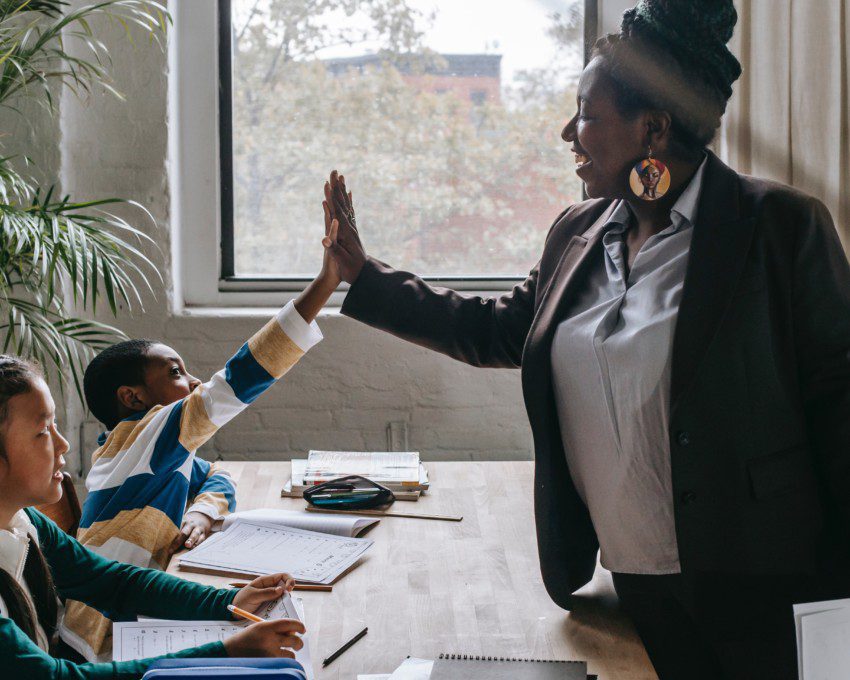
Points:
(471, 587)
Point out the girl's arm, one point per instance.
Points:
(21, 658)
(122, 589)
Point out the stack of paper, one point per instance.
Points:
(400, 468)
(254, 548)
(377, 466)
(823, 639)
(339, 525)
(143, 639)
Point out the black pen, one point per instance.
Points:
(348, 644)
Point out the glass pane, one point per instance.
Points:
(444, 116)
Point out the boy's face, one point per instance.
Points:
(166, 381)
(31, 472)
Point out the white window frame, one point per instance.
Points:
(195, 178)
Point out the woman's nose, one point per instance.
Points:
(568, 134)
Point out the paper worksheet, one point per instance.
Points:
(801, 612)
(823, 639)
(339, 525)
(413, 669)
(255, 548)
(154, 637)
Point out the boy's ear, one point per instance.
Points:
(132, 398)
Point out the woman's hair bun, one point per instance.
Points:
(693, 32)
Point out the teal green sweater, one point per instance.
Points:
(121, 589)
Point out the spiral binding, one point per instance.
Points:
(471, 657)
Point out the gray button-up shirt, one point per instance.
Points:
(611, 372)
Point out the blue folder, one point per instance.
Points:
(225, 669)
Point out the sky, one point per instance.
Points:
(515, 29)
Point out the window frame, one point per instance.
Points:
(201, 174)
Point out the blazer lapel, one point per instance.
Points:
(575, 256)
(719, 248)
(536, 357)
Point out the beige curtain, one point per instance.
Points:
(789, 118)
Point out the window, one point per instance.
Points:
(440, 189)
(445, 117)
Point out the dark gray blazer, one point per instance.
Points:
(760, 394)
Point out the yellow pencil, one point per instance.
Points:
(244, 614)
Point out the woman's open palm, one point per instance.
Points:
(342, 241)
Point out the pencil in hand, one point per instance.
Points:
(244, 614)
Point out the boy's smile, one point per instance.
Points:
(166, 381)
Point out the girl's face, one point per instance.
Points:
(31, 472)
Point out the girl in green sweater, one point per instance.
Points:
(39, 563)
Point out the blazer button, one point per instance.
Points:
(688, 497)
(683, 438)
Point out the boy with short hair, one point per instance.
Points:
(145, 472)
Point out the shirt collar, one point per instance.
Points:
(14, 543)
(683, 212)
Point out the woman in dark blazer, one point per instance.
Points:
(685, 361)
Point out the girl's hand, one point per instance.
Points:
(262, 590)
(269, 638)
(344, 245)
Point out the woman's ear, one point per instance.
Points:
(658, 131)
(132, 398)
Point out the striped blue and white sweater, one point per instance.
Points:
(145, 472)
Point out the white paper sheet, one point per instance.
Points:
(338, 525)
(380, 466)
(802, 610)
(826, 644)
(413, 669)
(256, 548)
(154, 637)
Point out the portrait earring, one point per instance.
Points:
(649, 179)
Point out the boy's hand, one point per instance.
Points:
(195, 528)
(344, 244)
(267, 639)
(262, 590)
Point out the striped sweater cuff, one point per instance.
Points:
(299, 331)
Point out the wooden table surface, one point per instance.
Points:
(470, 587)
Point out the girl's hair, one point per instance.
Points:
(671, 55)
(17, 376)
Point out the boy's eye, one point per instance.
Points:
(175, 371)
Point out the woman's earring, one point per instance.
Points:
(649, 179)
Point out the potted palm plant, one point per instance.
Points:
(60, 255)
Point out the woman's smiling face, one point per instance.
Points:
(606, 143)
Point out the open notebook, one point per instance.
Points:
(250, 548)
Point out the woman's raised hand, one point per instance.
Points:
(342, 241)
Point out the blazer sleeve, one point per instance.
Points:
(480, 331)
(821, 317)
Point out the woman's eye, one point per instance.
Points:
(175, 371)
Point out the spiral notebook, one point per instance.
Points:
(467, 667)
